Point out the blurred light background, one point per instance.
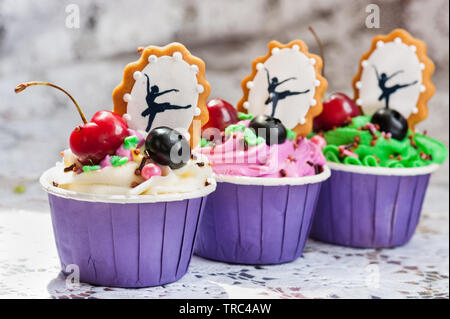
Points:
(36, 44)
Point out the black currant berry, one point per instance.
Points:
(391, 121)
(168, 147)
(270, 128)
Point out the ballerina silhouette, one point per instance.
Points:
(153, 107)
(275, 96)
(388, 91)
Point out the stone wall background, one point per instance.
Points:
(35, 44)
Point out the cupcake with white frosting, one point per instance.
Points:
(127, 197)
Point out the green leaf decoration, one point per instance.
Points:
(118, 160)
(130, 142)
(290, 134)
(251, 138)
(90, 168)
(234, 128)
(244, 116)
(203, 142)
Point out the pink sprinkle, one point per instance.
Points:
(106, 162)
(372, 128)
(349, 153)
(346, 152)
(150, 170)
(121, 151)
(139, 136)
(319, 141)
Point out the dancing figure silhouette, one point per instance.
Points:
(153, 107)
(275, 96)
(386, 92)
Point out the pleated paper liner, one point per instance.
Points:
(251, 220)
(125, 241)
(370, 207)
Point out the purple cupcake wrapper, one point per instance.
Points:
(125, 240)
(369, 210)
(257, 224)
(126, 245)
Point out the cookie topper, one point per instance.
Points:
(287, 84)
(165, 87)
(395, 73)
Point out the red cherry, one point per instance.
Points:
(338, 109)
(92, 141)
(221, 114)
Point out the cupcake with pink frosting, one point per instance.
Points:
(244, 152)
(269, 174)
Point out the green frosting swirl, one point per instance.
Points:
(415, 150)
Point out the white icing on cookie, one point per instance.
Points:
(172, 94)
(295, 89)
(402, 69)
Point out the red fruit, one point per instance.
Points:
(92, 141)
(221, 114)
(338, 109)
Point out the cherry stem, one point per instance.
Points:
(23, 86)
(319, 43)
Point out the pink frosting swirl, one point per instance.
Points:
(294, 158)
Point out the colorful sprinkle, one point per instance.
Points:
(19, 189)
(90, 168)
(203, 142)
(244, 116)
(318, 169)
(234, 128)
(345, 152)
(251, 138)
(122, 152)
(319, 141)
(106, 162)
(290, 134)
(117, 161)
(69, 168)
(130, 142)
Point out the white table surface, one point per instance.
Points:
(29, 266)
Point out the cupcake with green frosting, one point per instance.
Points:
(380, 164)
(362, 143)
